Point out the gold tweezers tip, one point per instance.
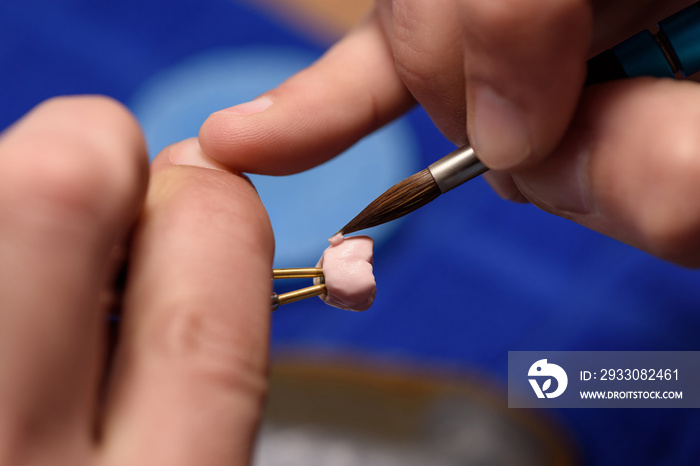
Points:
(307, 272)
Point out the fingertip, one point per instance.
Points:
(352, 90)
(186, 153)
(258, 141)
(78, 151)
(104, 123)
(97, 119)
(252, 107)
(204, 176)
(219, 130)
(261, 144)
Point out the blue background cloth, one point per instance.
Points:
(461, 282)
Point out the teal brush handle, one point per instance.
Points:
(675, 48)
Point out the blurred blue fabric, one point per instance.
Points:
(461, 282)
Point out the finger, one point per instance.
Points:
(613, 22)
(629, 167)
(503, 185)
(73, 178)
(426, 42)
(524, 69)
(190, 374)
(525, 63)
(351, 91)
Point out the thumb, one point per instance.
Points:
(524, 67)
(316, 114)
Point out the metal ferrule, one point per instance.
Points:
(456, 168)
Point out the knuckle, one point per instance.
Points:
(412, 67)
(206, 346)
(413, 47)
(74, 188)
(65, 184)
(529, 28)
(415, 74)
(70, 159)
(424, 72)
(505, 15)
(500, 14)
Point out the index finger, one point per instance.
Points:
(314, 115)
(190, 372)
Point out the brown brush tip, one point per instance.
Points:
(399, 200)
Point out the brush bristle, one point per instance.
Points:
(402, 198)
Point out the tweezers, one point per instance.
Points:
(303, 293)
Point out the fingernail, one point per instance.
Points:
(250, 108)
(190, 153)
(498, 131)
(561, 183)
(504, 186)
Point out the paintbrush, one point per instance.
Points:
(417, 190)
(672, 51)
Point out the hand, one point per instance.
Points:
(188, 375)
(622, 159)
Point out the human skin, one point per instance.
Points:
(506, 75)
(188, 375)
